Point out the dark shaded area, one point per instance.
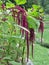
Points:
(43, 44)
(13, 1)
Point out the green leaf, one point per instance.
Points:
(34, 14)
(1, 50)
(1, 64)
(0, 3)
(32, 22)
(9, 5)
(41, 10)
(14, 63)
(10, 36)
(19, 2)
(36, 6)
(7, 58)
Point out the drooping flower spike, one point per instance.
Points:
(3, 6)
(41, 27)
(32, 34)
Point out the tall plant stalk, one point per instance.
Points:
(23, 55)
(8, 49)
(32, 49)
(41, 37)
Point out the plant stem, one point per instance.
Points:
(41, 37)
(27, 52)
(32, 49)
(23, 54)
(7, 62)
(8, 49)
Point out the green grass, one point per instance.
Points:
(46, 18)
(46, 36)
(41, 55)
(46, 21)
(46, 29)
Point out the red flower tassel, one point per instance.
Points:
(32, 37)
(23, 21)
(3, 6)
(41, 28)
(20, 9)
(32, 34)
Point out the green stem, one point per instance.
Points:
(7, 62)
(23, 54)
(8, 49)
(27, 52)
(32, 49)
